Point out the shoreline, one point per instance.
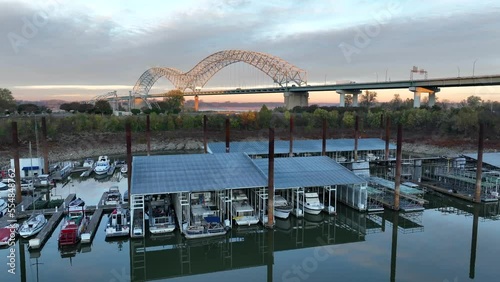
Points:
(64, 150)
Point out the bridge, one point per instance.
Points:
(292, 81)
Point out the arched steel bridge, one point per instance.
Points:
(279, 70)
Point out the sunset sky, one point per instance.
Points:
(74, 50)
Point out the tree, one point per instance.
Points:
(7, 102)
(368, 99)
(396, 102)
(348, 100)
(473, 101)
(174, 101)
(265, 116)
(27, 108)
(103, 107)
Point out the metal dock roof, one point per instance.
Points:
(492, 159)
(308, 172)
(299, 146)
(194, 172)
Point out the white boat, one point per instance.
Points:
(311, 203)
(3, 207)
(88, 163)
(33, 225)
(244, 214)
(124, 169)
(118, 223)
(282, 208)
(113, 197)
(42, 180)
(205, 222)
(102, 165)
(162, 217)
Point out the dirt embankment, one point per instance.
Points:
(81, 146)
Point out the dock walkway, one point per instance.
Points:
(54, 220)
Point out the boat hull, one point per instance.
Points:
(203, 234)
(246, 220)
(282, 213)
(314, 210)
(114, 232)
(162, 229)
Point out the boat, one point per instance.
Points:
(311, 203)
(78, 202)
(33, 225)
(118, 223)
(204, 222)
(102, 165)
(42, 180)
(4, 190)
(124, 169)
(26, 185)
(73, 226)
(243, 213)
(3, 207)
(282, 208)
(162, 217)
(8, 234)
(125, 197)
(88, 163)
(113, 196)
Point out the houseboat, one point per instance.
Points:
(161, 217)
(73, 226)
(243, 212)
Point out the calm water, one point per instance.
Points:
(434, 245)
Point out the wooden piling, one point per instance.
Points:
(128, 134)
(45, 147)
(270, 181)
(227, 134)
(148, 134)
(205, 133)
(356, 128)
(397, 180)
(387, 136)
(323, 144)
(479, 169)
(17, 167)
(290, 152)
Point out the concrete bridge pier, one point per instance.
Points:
(417, 93)
(354, 94)
(294, 99)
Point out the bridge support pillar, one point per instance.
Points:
(196, 103)
(417, 93)
(354, 94)
(294, 99)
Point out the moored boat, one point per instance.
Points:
(162, 217)
(124, 169)
(102, 165)
(113, 197)
(282, 208)
(33, 225)
(88, 163)
(73, 226)
(311, 203)
(8, 234)
(244, 214)
(204, 222)
(3, 207)
(118, 223)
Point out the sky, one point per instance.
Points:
(75, 50)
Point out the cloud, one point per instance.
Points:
(80, 45)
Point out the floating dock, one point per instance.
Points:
(54, 220)
(91, 229)
(381, 191)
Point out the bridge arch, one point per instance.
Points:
(276, 68)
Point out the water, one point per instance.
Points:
(434, 245)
